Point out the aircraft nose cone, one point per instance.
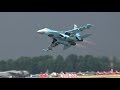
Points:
(40, 32)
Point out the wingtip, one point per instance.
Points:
(90, 24)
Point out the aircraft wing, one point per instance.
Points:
(57, 35)
(77, 30)
(53, 44)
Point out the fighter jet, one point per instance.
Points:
(67, 38)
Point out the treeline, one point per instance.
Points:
(71, 63)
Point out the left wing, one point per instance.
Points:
(53, 44)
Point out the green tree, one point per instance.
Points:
(59, 64)
(116, 63)
(71, 62)
(3, 66)
(10, 64)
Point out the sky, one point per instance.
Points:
(19, 37)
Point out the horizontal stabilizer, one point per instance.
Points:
(66, 47)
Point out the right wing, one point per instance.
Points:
(86, 35)
(88, 26)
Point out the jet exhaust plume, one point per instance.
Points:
(89, 42)
(80, 45)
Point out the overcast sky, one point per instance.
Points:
(18, 36)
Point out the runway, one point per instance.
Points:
(100, 76)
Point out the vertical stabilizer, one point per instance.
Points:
(75, 26)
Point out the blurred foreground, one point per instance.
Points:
(26, 74)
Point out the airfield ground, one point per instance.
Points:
(89, 76)
(100, 76)
(109, 74)
(95, 76)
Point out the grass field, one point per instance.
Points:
(100, 76)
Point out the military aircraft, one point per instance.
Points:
(67, 38)
(14, 74)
